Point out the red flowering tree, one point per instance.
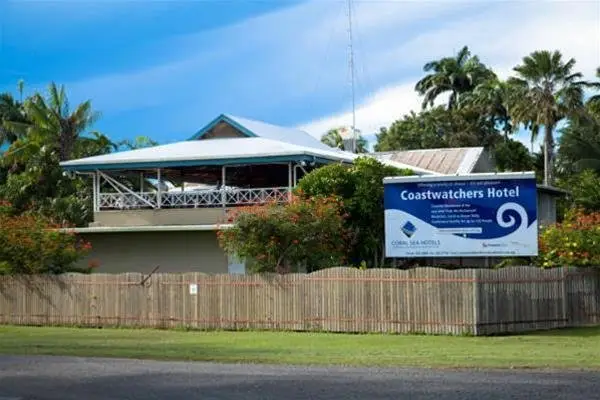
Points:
(284, 237)
(574, 242)
(32, 244)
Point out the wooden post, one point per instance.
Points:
(223, 189)
(95, 191)
(290, 181)
(159, 191)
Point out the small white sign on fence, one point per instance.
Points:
(193, 288)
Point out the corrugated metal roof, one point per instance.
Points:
(283, 134)
(252, 128)
(457, 160)
(207, 150)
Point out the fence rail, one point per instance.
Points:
(422, 300)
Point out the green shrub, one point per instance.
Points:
(360, 186)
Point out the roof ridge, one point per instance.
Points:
(431, 149)
(264, 122)
(471, 159)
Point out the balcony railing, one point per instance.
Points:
(192, 199)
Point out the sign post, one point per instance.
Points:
(476, 215)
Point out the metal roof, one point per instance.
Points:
(226, 151)
(457, 160)
(261, 129)
(263, 143)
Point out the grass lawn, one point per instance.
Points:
(572, 348)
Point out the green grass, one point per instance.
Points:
(565, 349)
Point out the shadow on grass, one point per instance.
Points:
(590, 331)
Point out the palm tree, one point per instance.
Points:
(545, 91)
(139, 142)
(594, 101)
(94, 144)
(457, 75)
(10, 110)
(333, 138)
(52, 121)
(579, 143)
(492, 99)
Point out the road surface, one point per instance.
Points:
(66, 378)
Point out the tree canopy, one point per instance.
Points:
(438, 128)
(545, 90)
(41, 131)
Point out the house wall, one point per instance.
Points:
(142, 251)
(546, 204)
(166, 216)
(222, 131)
(485, 163)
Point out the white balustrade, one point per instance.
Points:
(193, 199)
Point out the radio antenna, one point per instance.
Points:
(351, 65)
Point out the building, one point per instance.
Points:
(161, 206)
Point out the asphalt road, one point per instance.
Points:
(64, 378)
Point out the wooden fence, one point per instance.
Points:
(421, 300)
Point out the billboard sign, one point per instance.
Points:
(477, 215)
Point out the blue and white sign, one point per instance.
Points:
(478, 215)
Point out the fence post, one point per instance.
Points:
(475, 302)
(565, 296)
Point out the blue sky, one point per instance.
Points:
(164, 69)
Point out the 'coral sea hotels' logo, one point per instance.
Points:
(409, 229)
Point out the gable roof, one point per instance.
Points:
(253, 128)
(457, 160)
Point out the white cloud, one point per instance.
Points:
(500, 34)
(377, 111)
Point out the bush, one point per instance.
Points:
(584, 190)
(574, 242)
(31, 244)
(282, 238)
(361, 189)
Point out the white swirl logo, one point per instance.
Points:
(511, 220)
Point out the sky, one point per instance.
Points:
(166, 68)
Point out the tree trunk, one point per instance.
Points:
(548, 154)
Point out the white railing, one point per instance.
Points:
(192, 199)
(124, 201)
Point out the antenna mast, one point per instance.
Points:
(351, 62)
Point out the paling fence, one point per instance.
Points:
(420, 300)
